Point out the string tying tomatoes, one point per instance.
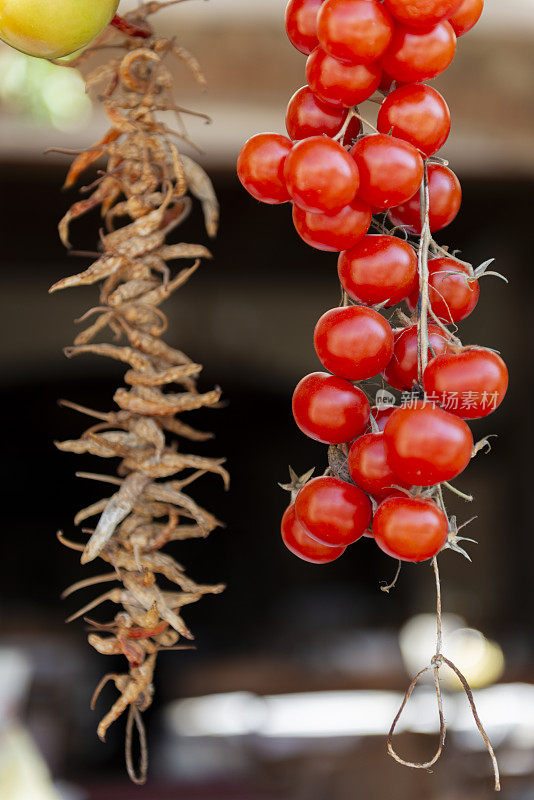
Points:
(377, 195)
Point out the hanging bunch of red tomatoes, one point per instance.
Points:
(387, 464)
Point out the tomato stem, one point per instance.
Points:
(342, 131)
(387, 588)
(467, 497)
(422, 260)
(443, 251)
(128, 28)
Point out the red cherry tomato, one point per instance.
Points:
(445, 198)
(379, 269)
(427, 445)
(260, 167)
(419, 14)
(386, 83)
(381, 414)
(330, 409)
(453, 294)
(301, 544)
(418, 114)
(369, 467)
(353, 342)
(391, 170)
(354, 128)
(357, 31)
(332, 511)
(301, 24)
(410, 528)
(419, 56)
(470, 384)
(467, 16)
(333, 232)
(401, 372)
(338, 83)
(320, 175)
(307, 115)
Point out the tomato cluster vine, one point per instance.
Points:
(376, 195)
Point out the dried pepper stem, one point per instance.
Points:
(148, 185)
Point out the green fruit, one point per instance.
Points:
(53, 28)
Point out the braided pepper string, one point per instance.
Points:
(147, 187)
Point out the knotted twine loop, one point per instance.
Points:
(437, 660)
(138, 777)
(442, 726)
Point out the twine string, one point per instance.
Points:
(137, 776)
(437, 660)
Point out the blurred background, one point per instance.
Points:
(299, 669)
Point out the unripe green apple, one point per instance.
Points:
(53, 28)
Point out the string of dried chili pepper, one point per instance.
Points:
(148, 181)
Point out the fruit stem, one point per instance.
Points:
(128, 28)
(467, 497)
(342, 131)
(454, 339)
(422, 267)
(445, 253)
(387, 588)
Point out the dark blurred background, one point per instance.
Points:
(282, 626)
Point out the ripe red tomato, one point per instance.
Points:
(410, 528)
(381, 414)
(445, 198)
(307, 115)
(427, 445)
(356, 31)
(332, 511)
(369, 467)
(391, 170)
(421, 14)
(386, 83)
(333, 232)
(354, 128)
(401, 372)
(453, 294)
(320, 175)
(260, 167)
(379, 269)
(466, 16)
(418, 114)
(471, 383)
(330, 409)
(301, 544)
(301, 24)
(418, 56)
(353, 342)
(338, 83)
